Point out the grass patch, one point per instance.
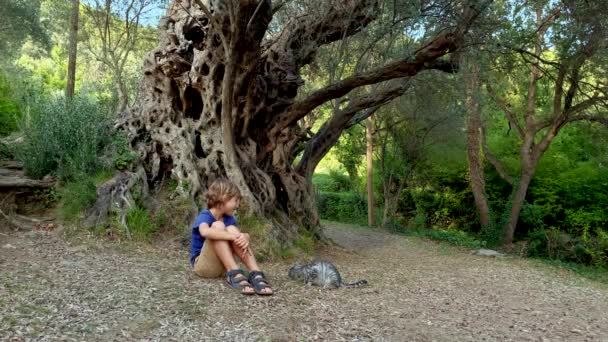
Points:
(305, 243)
(9, 321)
(102, 176)
(140, 224)
(79, 194)
(76, 196)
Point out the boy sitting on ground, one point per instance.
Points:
(216, 241)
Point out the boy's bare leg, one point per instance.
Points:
(224, 252)
(247, 256)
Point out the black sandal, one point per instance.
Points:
(234, 279)
(260, 283)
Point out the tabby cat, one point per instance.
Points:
(321, 273)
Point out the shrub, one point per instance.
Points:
(64, 137)
(332, 182)
(9, 107)
(345, 207)
(590, 249)
(442, 207)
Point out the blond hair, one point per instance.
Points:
(220, 192)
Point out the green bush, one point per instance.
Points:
(532, 215)
(65, 138)
(552, 243)
(122, 155)
(345, 207)
(332, 182)
(442, 207)
(9, 108)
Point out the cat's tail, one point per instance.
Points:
(355, 284)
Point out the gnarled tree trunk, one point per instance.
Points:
(218, 98)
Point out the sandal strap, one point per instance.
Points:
(238, 280)
(255, 280)
(259, 282)
(254, 274)
(235, 277)
(234, 272)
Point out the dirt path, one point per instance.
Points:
(53, 289)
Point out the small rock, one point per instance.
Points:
(576, 331)
(78, 248)
(70, 264)
(9, 246)
(488, 252)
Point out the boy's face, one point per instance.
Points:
(230, 206)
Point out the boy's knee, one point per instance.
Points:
(218, 225)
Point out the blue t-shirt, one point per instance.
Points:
(197, 240)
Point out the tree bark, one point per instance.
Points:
(369, 137)
(474, 131)
(73, 49)
(517, 202)
(123, 93)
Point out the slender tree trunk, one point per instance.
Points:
(387, 201)
(530, 156)
(477, 176)
(123, 94)
(73, 49)
(370, 172)
(391, 200)
(517, 202)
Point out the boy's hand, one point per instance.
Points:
(242, 241)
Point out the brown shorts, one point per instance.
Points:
(207, 264)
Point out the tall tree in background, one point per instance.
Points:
(369, 138)
(220, 95)
(472, 92)
(113, 28)
(73, 48)
(567, 64)
(20, 19)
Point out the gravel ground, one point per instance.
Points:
(83, 289)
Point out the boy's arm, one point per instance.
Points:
(216, 234)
